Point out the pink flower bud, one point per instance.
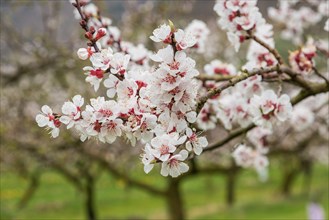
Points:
(83, 23)
(100, 33)
(89, 36)
(83, 53)
(92, 29)
(82, 3)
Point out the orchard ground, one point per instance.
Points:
(203, 197)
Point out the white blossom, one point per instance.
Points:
(163, 33)
(174, 165)
(194, 142)
(268, 106)
(184, 39)
(148, 159)
(47, 119)
(72, 111)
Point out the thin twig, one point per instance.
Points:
(217, 78)
(317, 89)
(320, 75)
(297, 78)
(273, 51)
(78, 6)
(122, 175)
(230, 137)
(85, 23)
(299, 147)
(232, 82)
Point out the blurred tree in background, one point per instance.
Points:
(39, 64)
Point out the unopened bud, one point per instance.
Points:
(83, 53)
(89, 36)
(82, 3)
(172, 26)
(92, 29)
(242, 38)
(100, 33)
(83, 23)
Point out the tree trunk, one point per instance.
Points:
(307, 167)
(174, 200)
(287, 182)
(90, 207)
(33, 185)
(230, 187)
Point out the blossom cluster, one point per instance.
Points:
(269, 106)
(245, 102)
(151, 104)
(173, 92)
(302, 118)
(220, 68)
(249, 101)
(296, 19)
(248, 157)
(116, 55)
(301, 60)
(200, 31)
(242, 20)
(238, 17)
(207, 118)
(258, 56)
(152, 98)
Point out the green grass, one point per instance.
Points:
(203, 197)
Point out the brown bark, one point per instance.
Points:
(230, 188)
(307, 168)
(34, 182)
(174, 200)
(90, 207)
(288, 180)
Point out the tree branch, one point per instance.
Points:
(299, 147)
(217, 78)
(57, 166)
(84, 22)
(230, 137)
(231, 83)
(309, 86)
(273, 51)
(296, 78)
(34, 182)
(316, 89)
(320, 75)
(115, 172)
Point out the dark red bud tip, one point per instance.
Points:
(83, 23)
(92, 29)
(83, 3)
(100, 33)
(242, 38)
(178, 47)
(74, 4)
(89, 36)
(122, 71)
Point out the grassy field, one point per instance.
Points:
(203, 196)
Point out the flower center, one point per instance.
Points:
(164, 149)
(173, 163)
